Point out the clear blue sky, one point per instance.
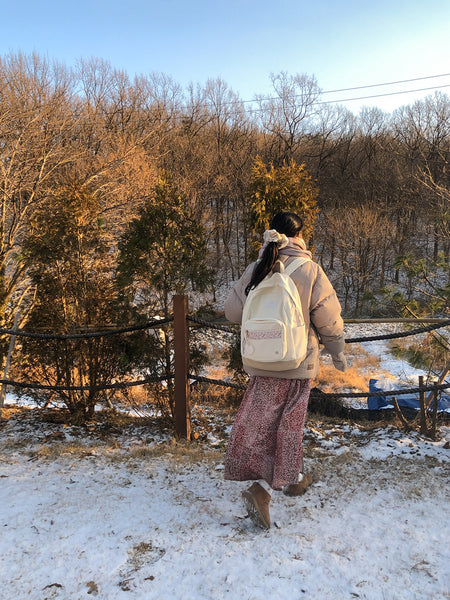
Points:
(344, 43)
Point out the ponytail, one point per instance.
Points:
(283, 225)
(264, 266)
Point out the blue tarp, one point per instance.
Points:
(405, 400)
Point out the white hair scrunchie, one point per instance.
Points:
(272, 235)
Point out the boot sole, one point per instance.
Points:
(253, 511)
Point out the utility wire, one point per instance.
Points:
(438, 87)
(364, 87)
(361, 87)
(255, 110)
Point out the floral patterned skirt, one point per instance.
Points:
(266, 438)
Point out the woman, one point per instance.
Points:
(266, 440)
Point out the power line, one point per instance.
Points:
(239, 101)
(438, 87)
(360, 87)
(256, 110)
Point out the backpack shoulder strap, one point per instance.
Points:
(295, 264)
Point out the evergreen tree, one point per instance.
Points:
(162, 253)
(71, 265)
(288, 187)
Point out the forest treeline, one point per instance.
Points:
(382, 180)
(117, 192)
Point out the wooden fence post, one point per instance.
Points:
(423, 413)
(181, 360)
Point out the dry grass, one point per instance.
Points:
(139, 395)
(217, 396)
(140, 398)
(179, 450)
(330, 380)
(361, 359)
(54, 451)
(218, 372)
(179, 453)
(10, 411)
(361, 365)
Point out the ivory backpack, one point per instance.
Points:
(273, 332)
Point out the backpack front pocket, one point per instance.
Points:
(264, 340)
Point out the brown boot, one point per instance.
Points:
(256, 501)
(297, 489)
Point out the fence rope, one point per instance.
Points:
(426, 388)
(225, 328)
(93, 334)
(85, 388)
(210, 325)
(387, 336)
(402, 392)
(401, 334)
(202, 379)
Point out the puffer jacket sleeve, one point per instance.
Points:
(234, 303)
(325, 314)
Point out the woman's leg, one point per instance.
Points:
(266, 439)
(253, 441)
(288, 464)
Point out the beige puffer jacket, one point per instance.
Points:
(321, 311)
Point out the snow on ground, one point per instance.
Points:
(149, 519)
(399, 370)
(391, 373)
(117, 513)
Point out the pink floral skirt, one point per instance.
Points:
(266, 438)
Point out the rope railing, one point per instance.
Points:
(181, 377)
(399, 392)
(221, 382)
(88, 334)
(202, 379)
(401, 334)
(208, 324)
(85, 388)
(388, 336)
(216, 326)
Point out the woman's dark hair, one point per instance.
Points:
(284, 222)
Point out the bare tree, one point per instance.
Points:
(362, 238)
(37, 126)
(288, 115)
